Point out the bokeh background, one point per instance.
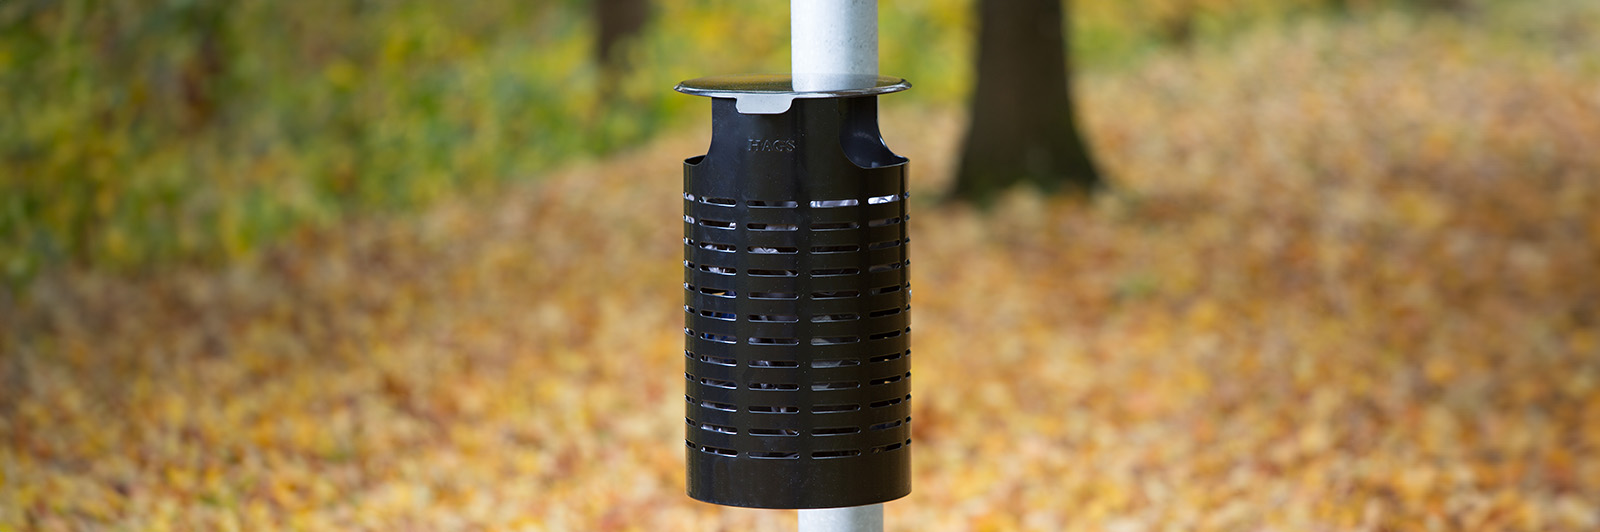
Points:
(361, 265)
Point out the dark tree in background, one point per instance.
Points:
(616, 21)
(1023, 127)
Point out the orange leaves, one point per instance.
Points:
(1301, 310)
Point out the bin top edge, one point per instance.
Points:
(792, 86)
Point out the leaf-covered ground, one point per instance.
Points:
(1348, 282)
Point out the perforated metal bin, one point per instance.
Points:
(797, 368)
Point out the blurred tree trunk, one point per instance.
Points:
(616, 21)
(1175, 21)
(1023, 127)
(202, 75)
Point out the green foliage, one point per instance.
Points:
(137, 132)
(147, 130)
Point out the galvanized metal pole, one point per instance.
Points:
(833, 41)
(867, 518)
(828, 38)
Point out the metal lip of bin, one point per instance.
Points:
(772, 93)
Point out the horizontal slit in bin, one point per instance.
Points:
(830, 226)
(886, 358)
(774, 364)
(835, 294)
(825, 409)
(780, 386)
(774, 318)
(887, 425)
(832, 272)
(688, 219)
(718, 224)
(724, 248)
(774, 409)
(718, 292)
(887, 289)
(763, 203)
(774, 432)
(757, 340)
(719, 428)
(719, 338)
(839, 363)
(689, 287)
(835, 454)
(721, 270)
(773, 273)
(885, 312)
(773, 455)
(781, 250)
(690, 356)
(835, 203)
(825, 318)
(720, 361)
(835, 340)
(875, 200)
(725, 316)
(688, 331)
(887, 380)
(842, 385)
(887, 448)
(718, 451)
(886, 267)
(835, 431)
(885, 244)
(835, 249)
(773, 295)
(883, 221)
(688, 375)
(726, 202)
(688, 196)
(717, 383)
(725, 407)
(890, 334)
(889, 402)
(772, 227)
(689, 265)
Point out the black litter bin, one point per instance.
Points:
(798, 381)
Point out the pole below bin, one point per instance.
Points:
(851, 519)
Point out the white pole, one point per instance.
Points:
(851, 519)
(834, 45)
(831, 42)
(832, 39)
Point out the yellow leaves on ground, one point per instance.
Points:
(1328, 294)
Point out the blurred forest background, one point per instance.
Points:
(143, 131)
(409, 265)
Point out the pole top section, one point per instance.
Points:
(832, 37)
(772, 93)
